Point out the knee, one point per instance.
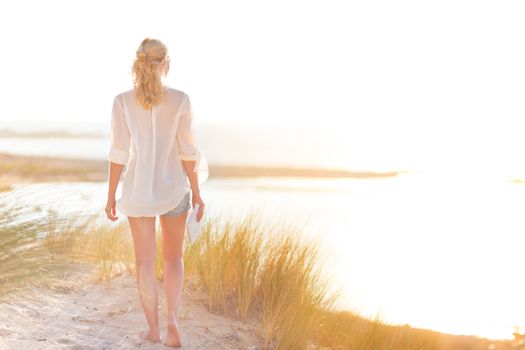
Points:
(145, 265)
(173, 259)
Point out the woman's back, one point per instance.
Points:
(152, 142)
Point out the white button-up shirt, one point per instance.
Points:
(152, 143)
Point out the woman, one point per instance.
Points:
(163, 166)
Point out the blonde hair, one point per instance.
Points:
(146, 72)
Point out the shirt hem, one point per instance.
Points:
(130, 210)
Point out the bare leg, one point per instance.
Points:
(143, 232)
(173, 228)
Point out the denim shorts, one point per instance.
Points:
(181, 208)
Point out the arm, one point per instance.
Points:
(118, 155)
(115, 171)
(189, 165)
(189, 152)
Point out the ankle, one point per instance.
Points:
(172, 323)
(173, 320)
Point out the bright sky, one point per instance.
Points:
(437, 84)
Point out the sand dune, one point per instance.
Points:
(83, 315)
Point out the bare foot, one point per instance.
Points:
(151, 336)
(173, 338)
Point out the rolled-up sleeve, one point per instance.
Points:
(186, 134)
(119, 135)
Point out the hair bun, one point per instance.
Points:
(141, 55)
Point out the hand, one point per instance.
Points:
(196, 198)
(111, 212)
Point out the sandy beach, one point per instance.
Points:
(83, 315)
(42, 169)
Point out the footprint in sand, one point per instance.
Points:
(65, 341)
